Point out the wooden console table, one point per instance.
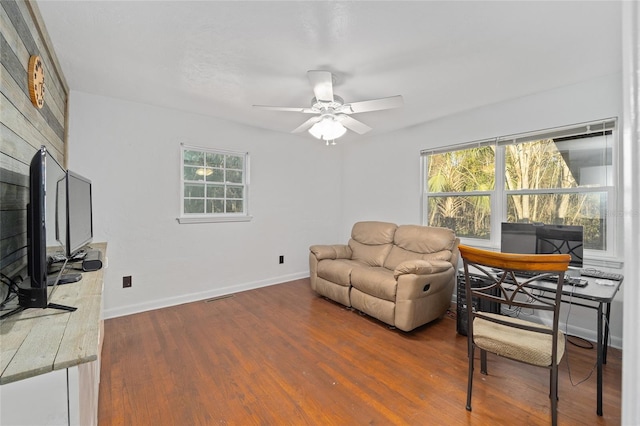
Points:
(49, 357)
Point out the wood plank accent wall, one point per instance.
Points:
(23, 127)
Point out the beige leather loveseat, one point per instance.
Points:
(402, 275)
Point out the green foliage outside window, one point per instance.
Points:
(213, 182)
(462, 171)
(561, 181)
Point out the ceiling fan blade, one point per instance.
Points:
(322, 84)
(289, 109)
(353, 124)
(377, 104)
(307, 124)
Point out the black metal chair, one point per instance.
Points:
(506, 336)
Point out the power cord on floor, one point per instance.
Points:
(586, 345)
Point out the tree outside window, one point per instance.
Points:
(565, 180)
(214, 183)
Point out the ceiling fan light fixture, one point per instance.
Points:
(327, 129)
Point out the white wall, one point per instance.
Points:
(302, 192)
(131, 152)
(382, 174)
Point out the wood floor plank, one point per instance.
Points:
(281, 355)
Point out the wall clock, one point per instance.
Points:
(36, 81)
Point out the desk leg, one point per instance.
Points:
(599, 360)
(606, 333)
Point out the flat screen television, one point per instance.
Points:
(46, 213)
(539, 238)
(79, 213)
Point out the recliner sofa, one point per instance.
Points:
(402, 275)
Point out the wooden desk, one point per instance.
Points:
(38, 342)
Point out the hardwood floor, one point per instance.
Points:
(281, 355)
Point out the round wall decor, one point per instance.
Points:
(36, 81)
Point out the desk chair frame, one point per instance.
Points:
(500, 271)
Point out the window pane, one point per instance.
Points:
(216, 176)
(215, 160)
(234, 162)
(193, 190)
(213, 182)
(588, 210)
(215, 206)
(462, 171)
(468, 216)
(195, 158)
(215, 191)
(234, 176)
(191, 173)
(560, 163)
(234, 206)
(234, 192)
(194, 206)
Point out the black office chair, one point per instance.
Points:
(509, 337)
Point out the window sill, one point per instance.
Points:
(214, 219)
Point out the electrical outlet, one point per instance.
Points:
(126, 281)
(281, 260)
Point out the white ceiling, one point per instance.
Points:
(219, 58)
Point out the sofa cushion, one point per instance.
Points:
(375, 281)
(398, 256)
(371, 242)
(424, 239)
(337, 271)
(372, 233)
(372, 255)
(420, 242)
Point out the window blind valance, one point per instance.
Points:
(594, 127)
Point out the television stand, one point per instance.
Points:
(61, 307)
(49, 306)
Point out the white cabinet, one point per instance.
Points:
(50, 360)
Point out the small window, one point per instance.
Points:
(214, 185)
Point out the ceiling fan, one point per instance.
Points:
(332, 115)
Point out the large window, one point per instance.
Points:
(559, 176)
(214, 185)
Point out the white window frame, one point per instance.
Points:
(498, 196)
(214, 217)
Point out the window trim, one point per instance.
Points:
(215, 217)
(498, 196)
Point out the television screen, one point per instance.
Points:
(46, 218)
(43, 210)
(538, 238)
(79, 210)
(55, 214)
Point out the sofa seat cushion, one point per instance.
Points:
(338, 271)
(375, 281)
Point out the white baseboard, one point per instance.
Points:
(194, 297)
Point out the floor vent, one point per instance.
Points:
(214, 299)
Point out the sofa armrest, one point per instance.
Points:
(421, 267)
(335, 251)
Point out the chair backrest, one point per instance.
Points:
(552, 240)
(502, 283)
